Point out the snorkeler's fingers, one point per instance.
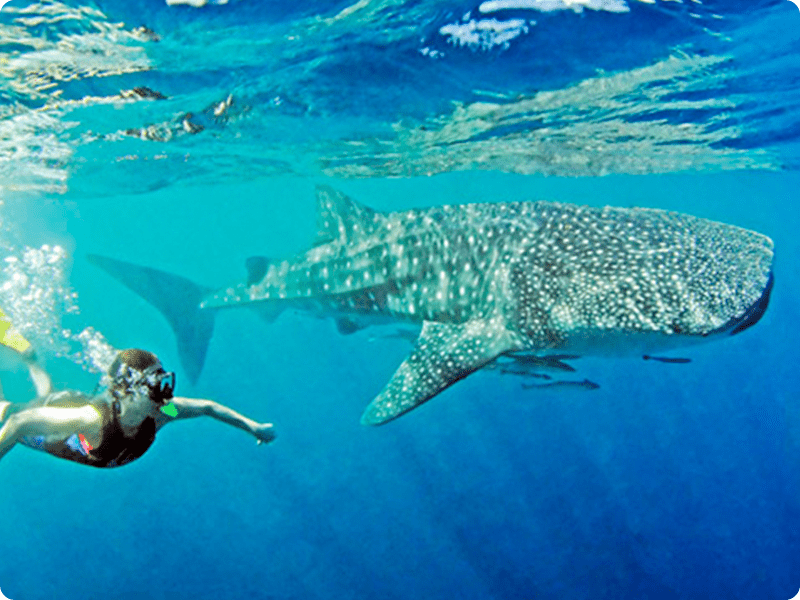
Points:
(265, 433)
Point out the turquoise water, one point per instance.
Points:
(670, 481)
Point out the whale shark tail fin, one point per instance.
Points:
(175, 297)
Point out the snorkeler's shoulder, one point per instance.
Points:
(68, 399)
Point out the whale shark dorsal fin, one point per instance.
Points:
(444, 354)
(341, 219)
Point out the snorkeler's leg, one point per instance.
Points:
(3, 405)
(8, 435)
(40, 378)
(47, 421)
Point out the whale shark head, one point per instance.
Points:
(618, 281)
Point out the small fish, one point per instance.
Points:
(403, 334)
(585, 385)
(667, 359)
(523, 373)
(545, 363)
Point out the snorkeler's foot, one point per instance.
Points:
(3, 406)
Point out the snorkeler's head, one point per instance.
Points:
(134, 369)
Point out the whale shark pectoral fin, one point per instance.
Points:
(444, 353)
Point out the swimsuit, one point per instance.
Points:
(115, 449)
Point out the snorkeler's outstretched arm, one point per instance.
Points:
(189, 408)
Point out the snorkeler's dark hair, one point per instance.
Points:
(133, 358)
(127, 362)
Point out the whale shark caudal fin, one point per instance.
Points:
(444, 354)
(175, 297)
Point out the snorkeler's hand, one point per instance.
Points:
(264, 433)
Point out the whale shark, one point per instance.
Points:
(481, 281)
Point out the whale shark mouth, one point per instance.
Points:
(753, 314)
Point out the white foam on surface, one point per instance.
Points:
(484, 34)
(195, 3)
(615, 6)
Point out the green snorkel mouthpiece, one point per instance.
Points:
(169, 409)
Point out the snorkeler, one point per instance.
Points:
(114, 427)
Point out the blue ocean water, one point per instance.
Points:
(670, 481)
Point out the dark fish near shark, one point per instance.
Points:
(668, 359)
(561, 386)
(553, 362)
(484, 280)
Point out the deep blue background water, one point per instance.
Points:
(671, 481)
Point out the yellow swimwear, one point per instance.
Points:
(10, 337)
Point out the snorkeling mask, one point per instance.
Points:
(165, 385)
(160, 384)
